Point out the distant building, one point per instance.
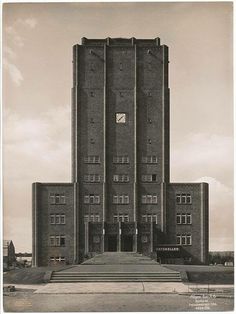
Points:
(9, 257)
(120, 197)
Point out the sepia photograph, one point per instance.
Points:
(118, 157)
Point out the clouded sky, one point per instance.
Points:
(37, 81)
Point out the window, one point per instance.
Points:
(178, 219)
(92, 141)
(189, 199)
(92, 94)
(92, 218)
(52, 219)
(63, 219)
(120, 218)
(149, 199)
(189, 219)
(62, 241)
(149, 218)
(149, 178)
(149, 159)
(183, 198)
(149, 141)
(92, 178)
(178, 239)
(189, 239)
(120, 199)
(92, 159)
(92, 199)
(184, 219)
(52, 241)
(55, 198)
(178, 199)
(184, 239)
(57, 219)
(120, 159)
(120, 178)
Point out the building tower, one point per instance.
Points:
(120, 198)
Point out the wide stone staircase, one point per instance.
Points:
(117, 267)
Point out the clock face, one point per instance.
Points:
(120, 117)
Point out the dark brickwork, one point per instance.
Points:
(120, 131)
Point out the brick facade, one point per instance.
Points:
(120, 198)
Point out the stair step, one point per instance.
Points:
(116, 280)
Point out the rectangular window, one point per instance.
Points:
(52, 241)
(91, 199)
(154, 219)
(52, 199)
(57, 219)
(149, 218)
(91, 178)
(184, 219)
(178, 239)
(178, 219)
(149, 159)
(115, 218)
(178, 199)
(183, 239)
(126, 218)
(92, 159)
(52, 219)
(52, 259)
(86, 218)
(62, 241)
(189, 199)
(120, 159)
(189, 219)
(120, 178)
(57, 198)
(63, 219)
(144, 218)
(120, 199)
(189, 239)
(57, 241)
(183, 198)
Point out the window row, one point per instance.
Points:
(92, 199)
(149, 160)
(57, 240)
(92, 178)
(121, 178)
(92, 218)
(184, 239)
(55, 198)
(54, 259)
(149, 178)
(121, 160)
(120, 199)
(184, 219)
(120, 218)
(57, 219)
(183, 198)
(149, 218)
(149, 199)
(94, 159)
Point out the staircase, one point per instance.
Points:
(117, 267)
(115, 277)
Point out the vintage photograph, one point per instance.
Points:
(117, 157)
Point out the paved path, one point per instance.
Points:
(111, 288)
(114, 258)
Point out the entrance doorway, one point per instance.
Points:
(127, 243)
(112, 243)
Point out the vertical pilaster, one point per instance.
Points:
(76, 223)
(119, 237)
(35, 224)
(151, 236)
(86, 237)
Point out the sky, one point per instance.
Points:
(37, 81)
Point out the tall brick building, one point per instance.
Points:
(120, 197)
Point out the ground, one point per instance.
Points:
(30, 302)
